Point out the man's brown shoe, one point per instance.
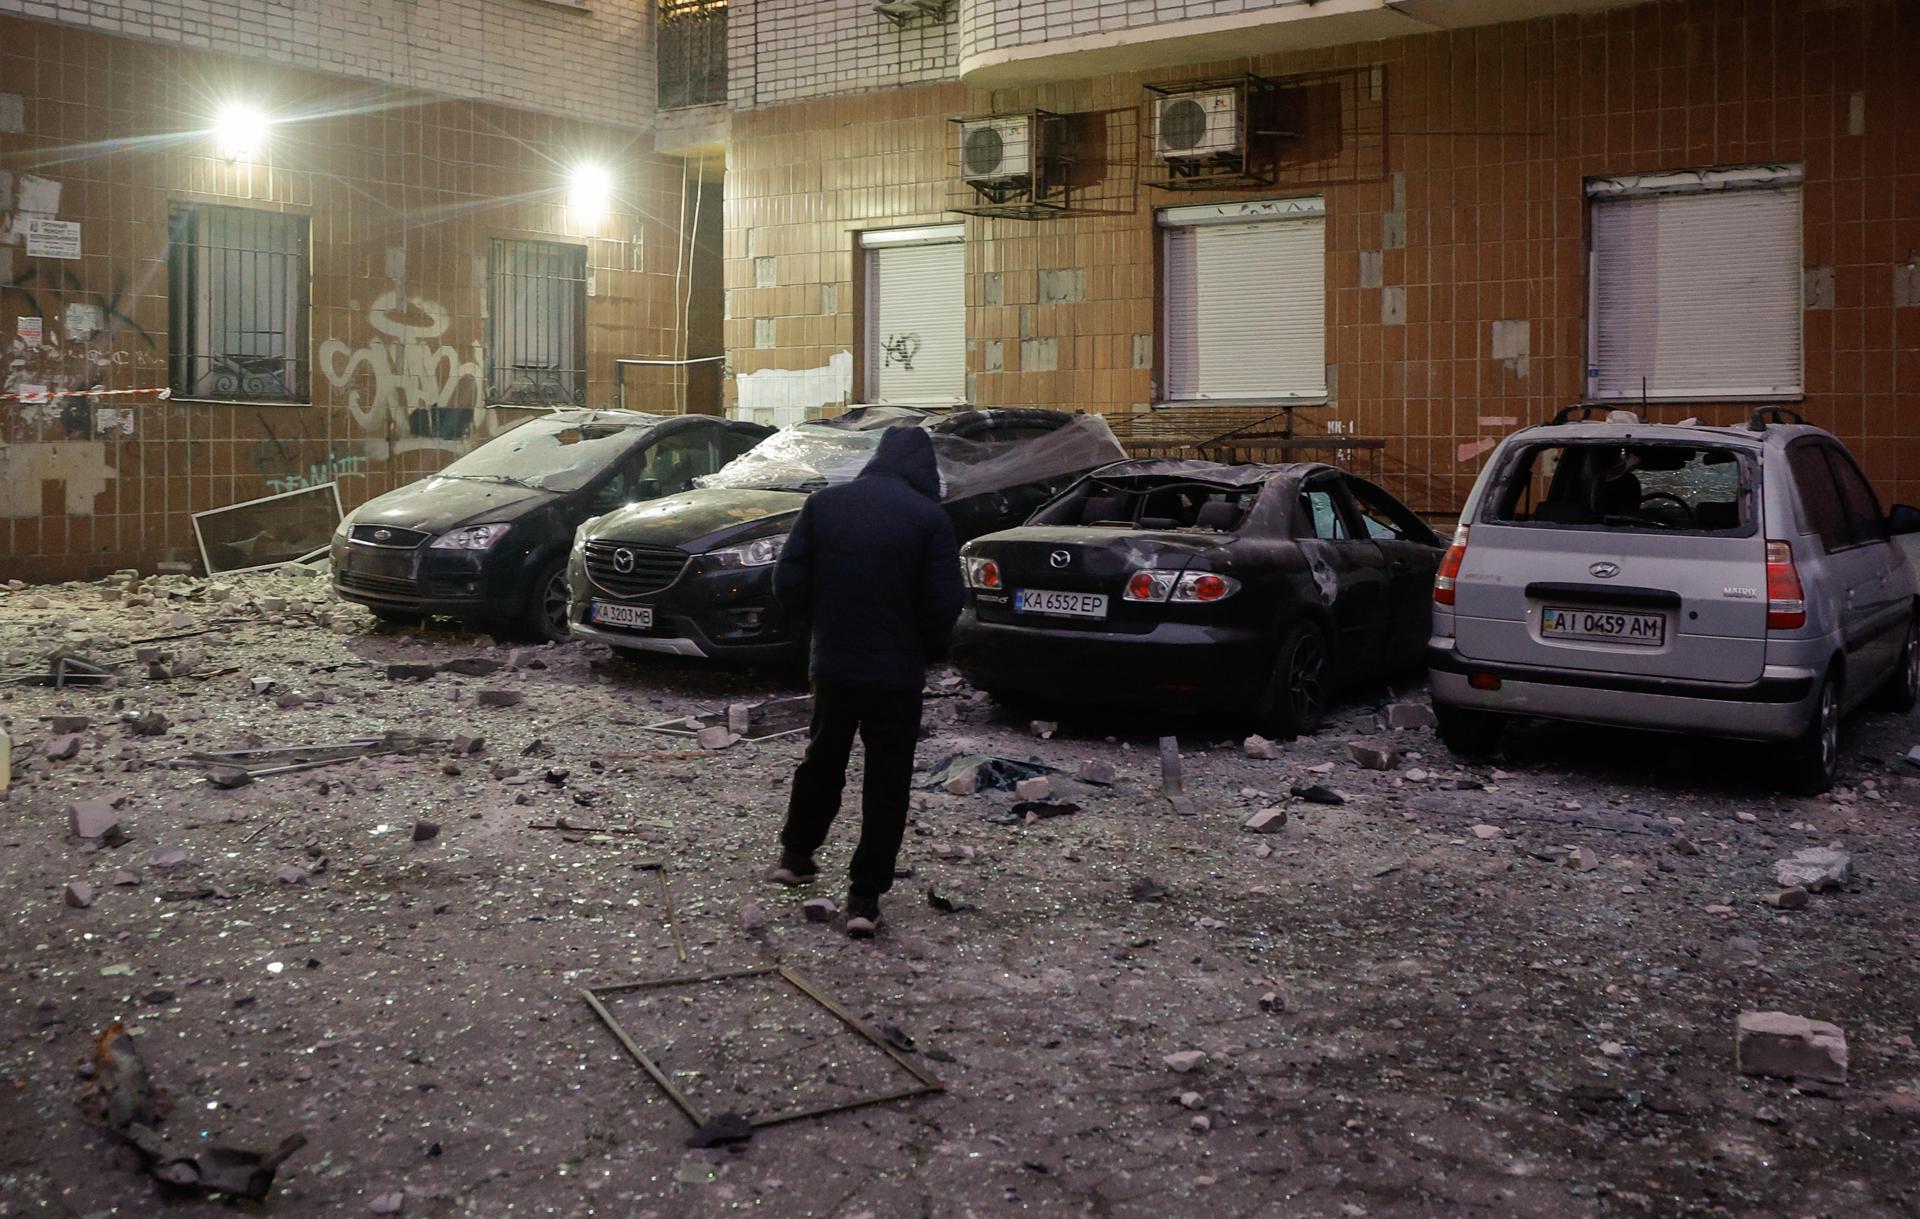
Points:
(863, 916)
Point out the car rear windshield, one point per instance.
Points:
(1637, 487)
(1137, 504)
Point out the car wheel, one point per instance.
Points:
(1296, 698)
(545, 616)
(1903, 684)
(1467, 732)
(1813, 761)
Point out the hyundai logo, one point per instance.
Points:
(1606, 571)
(382, 535)
(623, 561)
(1060, 558)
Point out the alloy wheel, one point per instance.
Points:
(1306, 679)
(554, 604)
(1829, 727)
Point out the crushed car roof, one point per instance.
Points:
(1213, 473)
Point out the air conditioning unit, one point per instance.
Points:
(1199, 125)
(994, 150)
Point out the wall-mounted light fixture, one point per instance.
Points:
(240, 131)
(589, 193)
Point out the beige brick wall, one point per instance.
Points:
(593, 61)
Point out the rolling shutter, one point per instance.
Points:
(1245, 303)
(916, 317)
(1695, 292)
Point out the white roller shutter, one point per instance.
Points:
(1246, 303)
(1695, 293)
(916, 317)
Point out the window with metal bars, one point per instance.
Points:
(692, 53)
(238, 281)
(537, 323)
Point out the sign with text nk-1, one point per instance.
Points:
(53, 238)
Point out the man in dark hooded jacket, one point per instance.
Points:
(873, 566)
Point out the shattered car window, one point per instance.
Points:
(1636, 487)
(559, 452)
(808, 456)
(1161, 493)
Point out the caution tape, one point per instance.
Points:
(50, 395)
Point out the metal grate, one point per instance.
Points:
(650, 568)
(537, 349)
(237, 281)
(692, 51)
(366, 582)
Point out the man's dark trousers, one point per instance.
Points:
(888, 722)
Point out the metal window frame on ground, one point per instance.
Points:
(925, 1085)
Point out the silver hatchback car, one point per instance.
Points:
(1732, 581)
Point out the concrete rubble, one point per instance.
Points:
(1791, 1047)
(1402, 996)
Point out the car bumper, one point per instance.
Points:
(457, 584)
(721, 615)
(1776, 707)
(1175, 666)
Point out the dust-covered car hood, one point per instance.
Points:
(434, 505)
(699, 520)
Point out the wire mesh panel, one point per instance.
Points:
(238, 294)
(537, 313)
(692, 53)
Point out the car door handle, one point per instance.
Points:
(1402, 565)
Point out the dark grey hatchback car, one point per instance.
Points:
(486, 539)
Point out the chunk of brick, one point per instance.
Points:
(1790, 1047)
(1033, 789)
(92, 819)
(1410, 715)
(1266, 821)
(1372, 757)
(500, 698)
(1260, 748)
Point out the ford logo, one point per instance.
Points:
(623, 561)
(1606, 571)
(1060, 558)
(382, 535)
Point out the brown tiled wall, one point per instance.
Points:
(405, 193)
(1490, 134)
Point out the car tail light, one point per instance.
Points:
(1449, 574)
(1149, 585)
(1484, 681)
(1202, 587)
(981, 573)
(1786, 599)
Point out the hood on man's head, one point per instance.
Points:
(907, 452)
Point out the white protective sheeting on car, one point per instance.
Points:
(1245, 306)
(916, 318)
(1696, 289)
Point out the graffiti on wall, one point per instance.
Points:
(409, 389)
(327, 469)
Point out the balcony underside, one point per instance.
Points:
(1262, 31)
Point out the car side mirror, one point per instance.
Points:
(1903, 518)
(646, 488)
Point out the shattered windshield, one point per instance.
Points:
(802, 458)
(808, 457)
(561, 452)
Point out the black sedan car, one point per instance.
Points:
(692, 574)
(1191, 586)
(486, 539)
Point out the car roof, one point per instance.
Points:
(1214, 472)
(1740, 435)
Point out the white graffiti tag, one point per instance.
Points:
(412, 378)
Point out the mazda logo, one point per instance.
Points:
(623, 561)
(1606, 571)
(382, 535)
(1060, 558)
